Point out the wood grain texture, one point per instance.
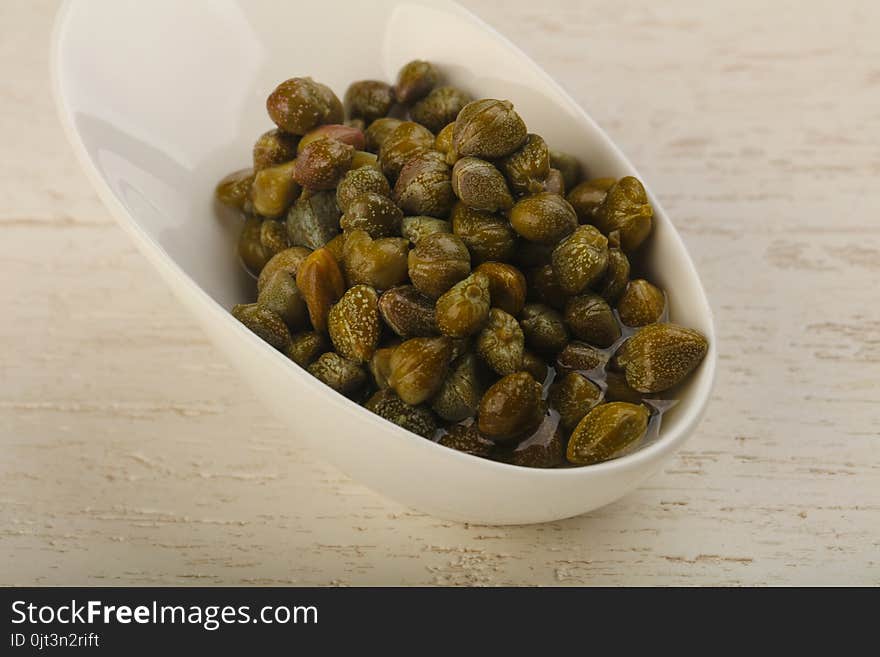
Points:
(133, 455)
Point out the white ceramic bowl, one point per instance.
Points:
(161, 99)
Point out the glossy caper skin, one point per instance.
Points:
(488, 129)
(273, 148)
(424, 186)
(463, 309)
(625, 209)
(418, 419)
(305, 347)
(580, 259)
(380, 263)
(299, 104)
(544, 218)
(467, 439)
(443, 141)
(660, 356)
(235, 189)
(617, 389)
(501, 343)
(460, 394)
(281, 295)
(288, 261)
(264, 322)
(544, 329)
(479, 185)
(344, 376)
(438, 262)
(606, 431)
(527, 168)
(408, 312)
(353, 324)
(251, 251)
(344, 134)
(321, 283)
(579, 356)
(368, 100)
(417, 227)
(380, 366)
(535, 366)
(406, 140)
(507, 286)
(591, 319)
(510, 408)
(487, 236)
(419, 367)
(439, 107)
(313, 220)
(322, 164)
(573, 396)
(415, 81)
(587, 196)
(273, 236)
(274, 190)
(616, 276)
(378, 131)
(568, 166)
(641, 304)
(359, 181)
(545, 448)
(543, 287)
(373, 213)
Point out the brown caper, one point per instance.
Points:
(418, 368)
(305, 347)
(438, 262)
(464, 308)
(362, 159)
(344, 376)
(591, 319)
(460, 394)
(353, 323)
(235, 189)
(418, 419)
(501, 343)
(373, 213)
(273, 236)
(335, 111)
(614, 281)
(660, 356)
(288, 261)
(641, 303)
(281, 295)
(424, 186)
(274, 147)
(488, 129)
(406, 140)
(579, 357)
(253, 254)
(573, 396)
(568, 166)
(580, 259)
(322, 164)
(344, 134)
(587, 196)
(545, 448)
(443, 142)
(359, 181)
(378, 131)
(274, 190)
(507, 286)
(320, 281)
(380, 365)
(617, 389)
(625, 209)
(606, 431)
(415, 228)
(264, 322)
(487, 236)
(527, 168)
(408, 312)
(439, 107)
(535, 366)
(544, 287)
(544, 217)
(300, 104)
(467, 439)
(313, 220)
(368, 100)
(544, 329)
(380, 263)
(415, 81)
(511, 408)
(480, 185)
(531, 254)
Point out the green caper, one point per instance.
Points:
(606, 431)
(460, 394)
(264, 322)
(527, 168)
(660, 356)
(406, 140)
(300, 104)
(235, 189)
(625, 209)
(591, 319)
(288, 261)
(415, 228)
(359, 181)
(373, 213)
(487, 129)
(418, 419)
(274, 190)
(321, 283)
(335, 111)
(535, 366)
(437, 263)
(464, 308)
(418, 368)
(554, 183)
(424, 186)
(378, 131)
(380, 263)
(322, 164)
(617, 389)
(544, 217)
(443, 141)
(507, 286)
(344, 376)
(467, 439)
(380, 365)
(368, 100)
(305, 347)
(273, 236)
(544, 328)
(543, 287)
(353, 323)
(616, 276)
(415, 81)
(641, 303)
(501, 343)
(512, 407)
(573, 396)
(313, 220)
(362, 159)
(439, 107)
(568, 166)
(273, 148)
(480, 185)
(486, 235)
(408, 312)
(580, 259)
(344, 134)
(579, 357)
(281, 295)
(587, 196)
(253, 254)
(543, 449)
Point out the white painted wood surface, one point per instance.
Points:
(131, 454)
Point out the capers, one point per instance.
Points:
(418, 368)
(443, 141)
(264, 322)
(544, 218)
(579, 357)
(373, 213)
(580, 259)
(625, 209)
(573, 396)
(535, 366)
(253, 254)
(415, 228)
(380, 366)
(527, 168)
(507, 286)
(281, 295)
(606, 431)
(467, 439)
(568, 166)
(543, 287)
(368, 100)
(407, 139)
(544, 329)
(424, 186)
(378, 131)
(273, 236)
(616, 276)
(353, 324)
(488, 129)
(591, 319)
(501, 343)
(288, 261)
(464, 308)
(460, 394)
(510, 408)
(274, 190)
(554, 183)
(380, 263)
(344, 134)
(418, 419)
(300, 104)
(344, 376)
(305, 348)
(439, 107)
(359, 181)
(660, 356)
(437, 263)
(543, 449)
(320, 281)
(587, 196)
(480, 185)
(313, 220)
(487, 236)
(235, 189)
(322, 164)
(274, 147)
(408, 312)
(617, 389)
(415, 81)
(641, 303)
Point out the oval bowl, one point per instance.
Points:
(160, 100)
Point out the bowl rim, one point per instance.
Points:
(159, 258)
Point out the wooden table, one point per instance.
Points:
(131, 453)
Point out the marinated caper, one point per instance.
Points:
(281, 295)
(380, 263)
(322, 164)
(274, 190)
(288, 261)
(467, 439)
(437, 263)
(527, 168)
(408, 312)
(569, 168)
(353, 323)
(625, 209)
(345, 134)
(580, 259)
(415, 228)
(544, 217)
(591, 319)
(264, 322)
(587, 196)
(417, 419)
(378, 131)
(544, 329)
(535, 366)
(480, 185)
(415, 81)
(507, 286)
(313, 220)
(573, 396)
(362, 159)
(545, 448)
(424, 186)
(641, 303)
(579, 357)
(554, 183)
(253, 254)
(487, 129)
(464, 308)
(439, 107)
(487, 236)
(418, 368)
(273, 148)
(501, 343)
(617, 389)
(606, 431)
(343, 375)
(531, 254)
(511, 408)
(235, 189)
(360, 181)
(660, 356)
(443, 142)
(616, 276)
(544, 287)
(305, 347)
(368, 100)
(373, 213)
(320, 281)
(273, 236)
(460, 394)
(406, 140)
(300, 104)
(380, 365)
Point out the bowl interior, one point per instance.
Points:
(168, 97)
